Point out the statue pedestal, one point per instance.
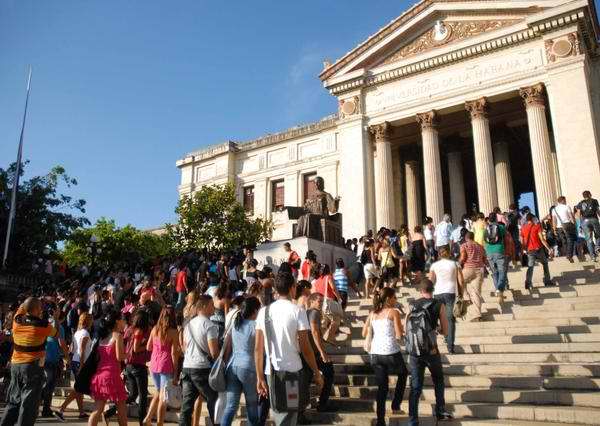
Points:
(272, 253)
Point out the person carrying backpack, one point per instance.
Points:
(588, 209)
(421, 345)
(494, 249)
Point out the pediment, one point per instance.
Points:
(430, 25)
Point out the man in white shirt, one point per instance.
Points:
(443, 232)
(288, 331)
(563, 223)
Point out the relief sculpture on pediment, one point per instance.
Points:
(446, 32)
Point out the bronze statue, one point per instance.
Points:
(321, 205)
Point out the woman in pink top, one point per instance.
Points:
(164, 345)
(106, 383)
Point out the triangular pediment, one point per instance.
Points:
(431, 25)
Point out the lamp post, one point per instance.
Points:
(93, 250)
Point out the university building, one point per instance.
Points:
(452, 104)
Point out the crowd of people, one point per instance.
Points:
(207, 328)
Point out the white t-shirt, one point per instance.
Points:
(287, 319)
(428, 233)
(562, 213)
(445, 276)
(77, 338)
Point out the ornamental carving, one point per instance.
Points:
(381, 132)
(477, 108)
(563, 47)
(427, 120)
(446, 32)
(348, 107)
(533, 95)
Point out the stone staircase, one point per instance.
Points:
(534, 360)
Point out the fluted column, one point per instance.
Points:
(484, 161)
(541, 154)
(384, 180)
(399, 217)
(458, 204)
(413, 194)
(432, 167)
(503, 175)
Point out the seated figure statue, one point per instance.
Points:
(321, 219)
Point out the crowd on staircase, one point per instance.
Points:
(205, 329)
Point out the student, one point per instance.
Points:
(385, 351)
(430, 359)
(534, 243)
(288, 339)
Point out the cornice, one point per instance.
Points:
(535, 30)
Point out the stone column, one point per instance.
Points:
(503, 175)
(541, 154)
(384, 180)
(458, 204)
(413, 194)
(399, 217)
(432, 167)
(484, 161)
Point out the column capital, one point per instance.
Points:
(477, 108)
(381, 132)
(427, 120)
(533, 95)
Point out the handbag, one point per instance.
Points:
(173, 395)
(216, 378)
(460, 307)
(284, 386)
(369, 338)
(88, 369)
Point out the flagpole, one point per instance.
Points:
(13, 197)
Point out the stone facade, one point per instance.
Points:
(452, 104)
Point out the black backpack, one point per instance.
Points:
(421, 335)
(364, 257)
(587, 208)
(513, 222)
(492, 234)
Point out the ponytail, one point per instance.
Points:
(381, 298)
(108, 323)
(248, 308)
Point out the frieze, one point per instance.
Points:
(563, 47)
(443, 33)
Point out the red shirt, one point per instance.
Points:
(305, 270)
(473, 255)
(293, 258)
(181, 282)
(530, 235)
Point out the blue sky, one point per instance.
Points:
(122, 89)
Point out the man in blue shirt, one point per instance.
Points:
(443, 232)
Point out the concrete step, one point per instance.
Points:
(498, 382)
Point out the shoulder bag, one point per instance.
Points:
(460, 305)
(369, 338)
(216, 379)
(284, 386)
(524, 257)
(88, 369)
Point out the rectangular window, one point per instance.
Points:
(277, 195)
(249, 199)
(309, 186)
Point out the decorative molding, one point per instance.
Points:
(349, 107)
(563, 47)
(477, 108)
(533, 96)
(381, 132)
(455, 31)
(427, 120)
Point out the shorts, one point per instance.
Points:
(371, 271)
(161, 379)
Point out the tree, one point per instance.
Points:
(213, 220)
(123, 247)
(44, 216)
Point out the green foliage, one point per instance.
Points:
(120, 247)
(44, 216)
(213, 220)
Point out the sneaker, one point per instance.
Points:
(46, 413)
(83, 415)
(444, 415)
(59, 416)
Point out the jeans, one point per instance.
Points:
(180, 300)
(195, 382)
(23, 394)
(540, 255)
(328, 373)
(448, 300)
(383, 366)
(238, 380)
(417, 373)
(52, 374)
(497, 262)
(567, 240)
(137, 384)
(591, 222)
